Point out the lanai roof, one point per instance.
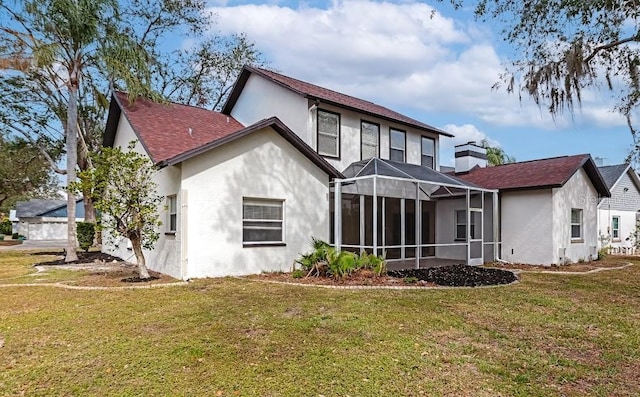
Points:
(395, 169)
(314, 92)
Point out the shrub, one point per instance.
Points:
(6, 227)
(298, 273)
(86, 234)
(603, 253)
(15, 236)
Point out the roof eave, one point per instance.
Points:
(432, 130)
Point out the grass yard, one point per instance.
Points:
(550, 335)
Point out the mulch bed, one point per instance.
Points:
(10, 242)
(616, 261)
(450, 276)
(458, 275)
(83, 257)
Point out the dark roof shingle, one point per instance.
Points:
(536, 174)
(313, 91)
(611, 173)
(168, 130)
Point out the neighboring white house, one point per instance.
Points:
(548, 208)
(247, 189)
(618, 214)
(43, 219)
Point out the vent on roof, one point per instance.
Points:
(470, 155)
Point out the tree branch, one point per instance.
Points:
(597, 49)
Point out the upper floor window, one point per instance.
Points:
(428, 152)
(576, 224)
(369, 138)
(328, 133)
(397, 143)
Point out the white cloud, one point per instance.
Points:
(463, 134)
(403, 55)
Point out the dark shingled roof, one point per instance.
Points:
(314, 92)
(172, 133)
(611, 173)
(168, 130)
(536, 174)
(37, 207)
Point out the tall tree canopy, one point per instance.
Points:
(24, 173)
(566, 46)
(66, 57)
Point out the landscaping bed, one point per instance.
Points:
(83, 257)
(609, 262)
(458, 275)
(449, 276)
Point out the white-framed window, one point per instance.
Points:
(328, 133)
(461, 225)
(428, 152)
(615, 227)
(576, 224)
(262, 221)
(369, 140)
(172, 213)
(397, 144)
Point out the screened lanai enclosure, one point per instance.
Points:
(413, 215)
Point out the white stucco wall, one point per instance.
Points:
(350, 138)
(526, 226)
(625, 203)
(577, 193)
(627, 226)
(261, 99)
(166, 255)
(261, 165)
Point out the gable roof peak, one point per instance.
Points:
(327, 96)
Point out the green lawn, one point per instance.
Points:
(548, 335)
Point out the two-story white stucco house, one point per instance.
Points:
(547, 208)
(246, 189)
(618, 214)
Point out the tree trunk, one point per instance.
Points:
(89, 208)
(137, 250)
(72, 159)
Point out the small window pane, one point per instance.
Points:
(575, 231)
(575, 216)
(396, 155)
(328, 133)
(327, 145)
(428, 146)
(397, 139)
(461, 216)
(461, 232)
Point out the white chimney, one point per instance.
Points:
(469, 155)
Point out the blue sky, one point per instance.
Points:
(436, 67)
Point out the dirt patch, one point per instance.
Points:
(450, 276)
(570, 267)
(101, 270)
(6, 243)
